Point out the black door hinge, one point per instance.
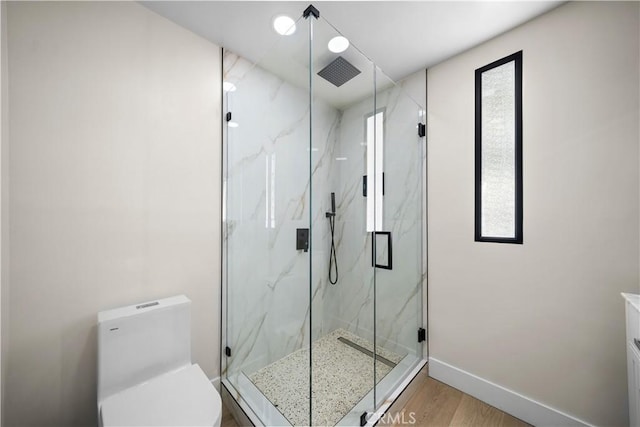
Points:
(229, 116)
(227, 351)
(422, 130)
(311, 11)
(364, 418)
(422, 335)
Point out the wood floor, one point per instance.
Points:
(227, 417)
(430, 403)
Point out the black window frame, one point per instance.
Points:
(517, 239)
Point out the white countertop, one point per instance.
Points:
(634, 299)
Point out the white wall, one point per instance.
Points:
(114, 191)
(544, 319)
(4, 206)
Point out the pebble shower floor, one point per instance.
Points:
(342, 376)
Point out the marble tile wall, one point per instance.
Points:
(398, 291)
(269, 195)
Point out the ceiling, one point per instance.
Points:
(401, 37)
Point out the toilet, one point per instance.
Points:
(145, 374)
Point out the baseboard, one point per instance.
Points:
(216, 383)
(509, 401)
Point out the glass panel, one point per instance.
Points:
(267, 199)
(398, 291)
(498, 152)
(343, 318)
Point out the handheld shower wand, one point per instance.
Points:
(333, 206)
(333, 261)
(333, 203)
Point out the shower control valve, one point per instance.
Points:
(302, 239)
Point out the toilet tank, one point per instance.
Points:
(141, 341)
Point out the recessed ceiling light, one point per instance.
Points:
(228, 87)
(338, 44)
(284, 25)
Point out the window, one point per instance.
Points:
(375, 160)
(498, 156)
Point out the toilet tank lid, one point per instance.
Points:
(185, 397)
(145, 307)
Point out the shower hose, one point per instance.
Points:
(333, 261)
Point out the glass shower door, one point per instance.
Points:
(398, 243)
(342, 277)
(266, 230)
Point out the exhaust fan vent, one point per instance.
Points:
(339, 71)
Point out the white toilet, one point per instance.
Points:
(145, 375)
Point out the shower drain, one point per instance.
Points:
(367, 352)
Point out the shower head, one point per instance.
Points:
(339, 71)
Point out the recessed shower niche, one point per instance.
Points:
(322, 225)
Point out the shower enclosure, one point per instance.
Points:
(323, 216)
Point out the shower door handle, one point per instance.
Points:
(375, 247)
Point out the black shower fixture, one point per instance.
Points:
(339, 71)
(333, 260)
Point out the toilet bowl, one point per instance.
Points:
(181, 398)
(145, 374)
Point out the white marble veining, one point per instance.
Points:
(268, 196)
(398, 292)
